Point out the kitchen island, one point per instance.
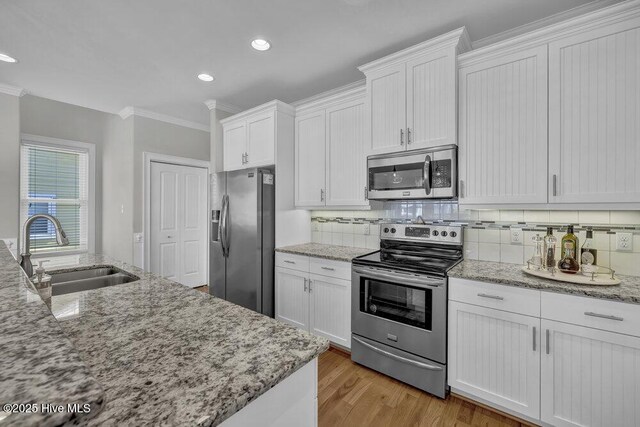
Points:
(167, 354)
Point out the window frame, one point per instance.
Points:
(64, 144)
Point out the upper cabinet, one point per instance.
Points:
(411, 95)
(502, 148)
(594, 114)
(330, 153)
(250, 138)
(550, 118)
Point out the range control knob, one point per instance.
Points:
(393, 230)
(436, 232)
(453, 234)
(386, 229)
(444, 234)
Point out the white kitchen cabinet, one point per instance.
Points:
(589, 377)
(502, 156)
(330, 308)
(292, 301)
(310, 159)
(594, 106)
(495, 355)
(314, 294)
(411, 95)
(250, 138)
(330, 152)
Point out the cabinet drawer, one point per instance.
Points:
(294, 262)
(326, 267)
(594, 313)
(500, 297)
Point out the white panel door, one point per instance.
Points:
(310, 159)
(589, 377)
(165, 222)
(330, 309)
(234, 141)
(179, 223)
(594, 111)
(503, 129)
(386, 94)
(346, 154)
(495, 355)
(431, 100)
(261, 140)
(292, 297)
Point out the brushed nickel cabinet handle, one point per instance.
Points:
(310, 288)
(496, 297)
(401, 136)
(461, 189)
(555, 185)
(289, 262)
(548, 342)
(603, 316)
(534, 338)
(408, 136)
(305, 285)
(321, 195)
(328, 268)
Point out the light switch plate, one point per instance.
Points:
(624, 242)
(315, 226)
(367, 229)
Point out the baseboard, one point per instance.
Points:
(492, 409)
(339, 349)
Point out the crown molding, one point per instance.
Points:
(275, 105)
(349, 92)
(458, 38)
(214, 103)
(12, 90)
(544, 22)
(133, 111)
(614, 14)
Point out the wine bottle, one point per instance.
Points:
(569, 248)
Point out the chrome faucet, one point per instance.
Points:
(25, 256)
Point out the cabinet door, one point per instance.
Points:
(346, 155)
(261, 140)
(431, 100)
(234, 141)
(292, 298)
(589, 377)
(386, 109)
(594, 106)
(330, 313)
(503, 129)
(310, 159)
(495, 355)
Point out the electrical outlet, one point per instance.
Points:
(517, 236)
(315, 226)
(367, 229)
(624, 242)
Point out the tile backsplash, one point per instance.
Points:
(487, 232)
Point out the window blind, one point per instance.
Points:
(55, 181)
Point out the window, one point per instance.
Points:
(56, 178)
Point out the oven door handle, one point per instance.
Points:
(426, 175)
(400, 276)
(399, 358)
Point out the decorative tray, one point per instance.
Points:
(601, 276)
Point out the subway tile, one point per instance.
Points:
(489, 236)
(513, 254)
(529, 235)
(604, 258)
(316, 237)
(535, 216)
(347, 239)
(471, 250)
(467, 215)
(489, 252)
(489, 215)
(346, 228)
(359, 241)
(512, 216)
(625, 217)
(625, 263)
(336, 239)
(470, 235)
(325, 238)
(372, 242)
(593, 217)
(505, 237)
(336, 227)
(563, 217)
(359, 229)
(374, 230)
(326, 227)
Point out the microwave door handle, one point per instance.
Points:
(426, 175)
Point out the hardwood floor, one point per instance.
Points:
(204, 289)
(352, 395)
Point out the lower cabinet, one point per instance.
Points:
(576, 363)
(320, 304)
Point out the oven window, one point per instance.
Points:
(399, 177)
(404, 304)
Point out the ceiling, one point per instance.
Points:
(109, 54)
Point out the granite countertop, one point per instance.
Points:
(320, 250)
(511, 274)
(38, 363)
(167, 354)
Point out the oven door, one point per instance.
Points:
(403, 310)
(420, 174)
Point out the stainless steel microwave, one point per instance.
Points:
(430, 173)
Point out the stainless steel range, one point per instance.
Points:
(399, 304)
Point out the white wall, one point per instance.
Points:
(9, 166)
(216, 146)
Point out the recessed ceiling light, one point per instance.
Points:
(205, 77)
(7, 58)
(260, 44)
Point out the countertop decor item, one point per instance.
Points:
(601, 276)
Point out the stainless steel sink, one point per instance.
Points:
(89, 278)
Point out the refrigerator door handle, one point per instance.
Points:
(224, 226)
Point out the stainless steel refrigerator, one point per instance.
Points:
(242, 238)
